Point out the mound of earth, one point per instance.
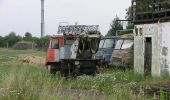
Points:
(34, 60)
(24, 45)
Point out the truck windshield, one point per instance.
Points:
(124, 44)
(54, 44)
(108, 43)
(69, 42)
(127, 44)
(101, 44)
(119, 44)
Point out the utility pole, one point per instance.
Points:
(42, 19)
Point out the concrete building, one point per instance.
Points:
(152, 38)
(152, 48)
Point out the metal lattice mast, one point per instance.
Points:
(42, 19)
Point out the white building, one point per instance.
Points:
(151, 37)
(152, 48)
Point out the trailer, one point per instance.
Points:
(74, 50)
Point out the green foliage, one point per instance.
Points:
(16, 53)
(1, 41)
(12, 38)
(115, 25)
(42, 41)
(23, 81)
(28, 37)
(129, 16)
(164, 95)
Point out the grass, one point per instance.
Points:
(22, 81)
(14, 53)
(10, 54)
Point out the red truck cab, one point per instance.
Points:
(53, 52)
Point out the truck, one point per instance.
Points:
(106, 47)
(122, 55)
(109, 44)
(72, 51)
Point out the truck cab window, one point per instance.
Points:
(108, 43)
(54, 44)
(119, 44)
(127, 44)
(101, 44)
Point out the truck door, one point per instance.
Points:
(53, 51)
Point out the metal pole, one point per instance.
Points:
(42, 19)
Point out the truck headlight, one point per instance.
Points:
(77, 62)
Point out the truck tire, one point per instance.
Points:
(64, 71)
(74, 73)
(53, 69)
(88, 68)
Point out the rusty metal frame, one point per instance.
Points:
(150, 12)
(77, 29)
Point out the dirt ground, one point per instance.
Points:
(79, 94)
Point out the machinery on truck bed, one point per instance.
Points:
(72, 51)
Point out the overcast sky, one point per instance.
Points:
(23, 16)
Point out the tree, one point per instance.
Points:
(28, 37)
(11, 39)
(115, 25)
(129, 16)
(41, 42)
(1, 41)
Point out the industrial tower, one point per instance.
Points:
(42, 19)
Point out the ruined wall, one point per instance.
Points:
(165, 49)
(160, 33)
(138, 50)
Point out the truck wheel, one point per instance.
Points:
(74, 73)
(94, 71)
(53, 69)
(64, 71)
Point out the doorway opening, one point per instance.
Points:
(148, 55)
